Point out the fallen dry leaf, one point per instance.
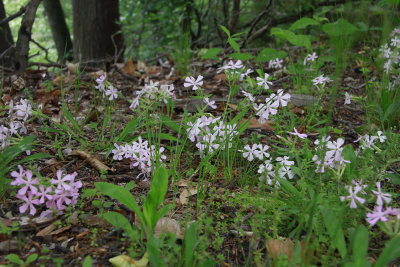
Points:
(97, 164)
(168, 225)
(186, 193)
(277, 247)
(255, 124)
(129, 68)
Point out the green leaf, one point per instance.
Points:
(390, 253)
(172, 125)
(268, 54)
(129, 129)
(31, 258)
(225, 30)
(14, 258)
(156, 195)
(87, 262)
(234, 44)
(335, 231)
(190, 243)
(339, 28)
(71, 119)
(360, 246)
(303, 23)
(241, 56)
(119, 221)
(154, 254)
(299, 40)
(122, 195)
(212, 53)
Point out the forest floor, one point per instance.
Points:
(223, 205)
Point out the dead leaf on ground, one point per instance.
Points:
(186, 193)
(129, 67)
(255, 124)
(141, 66)
(97, 164)
(277, 247)
(168, 225)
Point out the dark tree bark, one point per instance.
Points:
(6, 40)
(24, 36)
(235, 16)
(59, 29)
(97, 34)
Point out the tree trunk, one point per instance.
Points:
(97, 34)
(24, 36)
(6, 40)
(59, 29)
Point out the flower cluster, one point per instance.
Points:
(17, 115)
(367, 141)
(378, 214)
(231, 66)
(275, 63)
(140, 154)
(210, 134)
(152, 91)
(63, 192)
(283, 166)
(390, 51)
(102, 83)
(272, 103)
(333, 156)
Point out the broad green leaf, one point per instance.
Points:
(360, 246)
(156, 195)
(120, 221)
(154, 253)
(303, 23)
(121, 194)
(87, 262)
(31, 258)
(14, 258)
(212, 53)
(268, 54)
(335, 231)
(390, 253)
(190, 243)
(241, 56)
(299, 40)
(339, 28)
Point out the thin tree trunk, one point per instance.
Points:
(6, 40)
(97, 34)
(24, 36)
(59, 29)
(235, 16)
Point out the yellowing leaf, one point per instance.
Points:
(126, 261)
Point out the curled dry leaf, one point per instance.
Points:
(277, 247)
(97, 164)
(168, 225)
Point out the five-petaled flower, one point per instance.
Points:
(192, 82)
